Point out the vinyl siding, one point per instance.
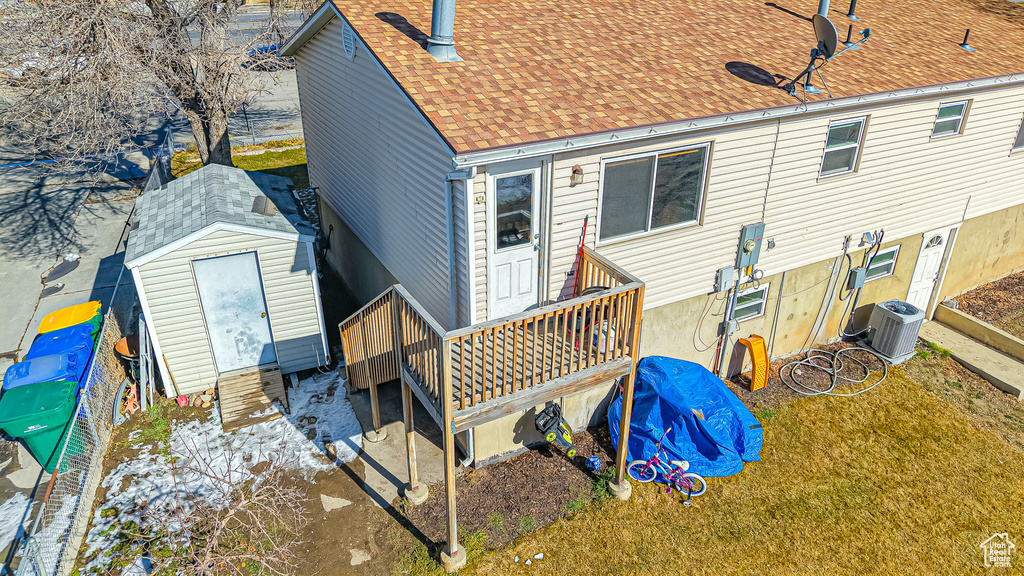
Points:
(377, 163)
(177, 315)
(480, 245)
(907, 183)
(462, 266)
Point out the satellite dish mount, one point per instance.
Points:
(828, 42)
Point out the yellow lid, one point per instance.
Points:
(69, 316)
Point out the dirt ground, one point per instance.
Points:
(515, 497)
(1000, 303)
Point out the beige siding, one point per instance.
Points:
(377, 163)
(906, 184)
(177, 316)
(480, 244)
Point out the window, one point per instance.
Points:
(750, 303)
(950, 119)
(652, 191)
(882, 264)
(1018, 144)
(842, 147)
(513, 218)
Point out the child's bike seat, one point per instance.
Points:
(681, 464)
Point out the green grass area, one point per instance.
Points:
(289, 163)
(891, 482)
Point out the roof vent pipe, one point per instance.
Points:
(441, 44)
(822, 7)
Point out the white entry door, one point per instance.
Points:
(926, 272)
(235, 310)
(513, 200)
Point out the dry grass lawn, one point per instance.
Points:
(895, 481)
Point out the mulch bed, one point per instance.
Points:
(1000, 303)
(511, 498)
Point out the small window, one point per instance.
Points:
(882, 264)
(750, 303)
(842, 147)
(1018, 144)
(950, 119)
(644, 193)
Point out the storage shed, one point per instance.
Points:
(225, 271)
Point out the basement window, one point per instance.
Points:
(842, 147)
(950, 119)
(654, 191)
(750, 303)
(882, 264)
(1018, 144)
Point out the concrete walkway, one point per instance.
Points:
(1004, 372)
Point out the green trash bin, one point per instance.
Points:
(40, 414)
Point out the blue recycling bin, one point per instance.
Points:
(68, 366)
(63, 340)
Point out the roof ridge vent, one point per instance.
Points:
(262, 205)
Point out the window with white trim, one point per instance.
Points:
(647, 192)
(1018, 144)
(750, 303)
(950, 119)
(882, 264)
(842, 146)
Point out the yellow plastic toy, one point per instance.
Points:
(759, 358)
(69, 316)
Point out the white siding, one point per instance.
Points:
(178, 320)
(377, 163)
(906, 184)
(480, 244)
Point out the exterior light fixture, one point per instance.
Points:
(577, 175)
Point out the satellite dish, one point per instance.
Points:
(827, 35)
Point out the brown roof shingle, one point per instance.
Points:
(545, 69)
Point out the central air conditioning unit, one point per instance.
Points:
(894, 328)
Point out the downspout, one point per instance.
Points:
(466, 177)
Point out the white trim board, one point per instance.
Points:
(165, 374)
(215, 227)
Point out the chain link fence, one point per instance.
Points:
(51, 546)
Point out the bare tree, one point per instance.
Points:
(85, 76)
(222, 516)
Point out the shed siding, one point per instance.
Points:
(177, 315)
(906, 183)
(377, 163)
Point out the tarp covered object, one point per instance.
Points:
(711, 428)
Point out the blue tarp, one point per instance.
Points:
(711, 428)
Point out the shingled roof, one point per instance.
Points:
(199, 200)
(550, 69)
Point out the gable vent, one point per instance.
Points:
(348, 40)
(262, 205)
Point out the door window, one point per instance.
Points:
(513, 210)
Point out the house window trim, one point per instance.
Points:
(766, 287)
(859, 146)
(896, 254)
(1020, 136)
(698, 221)
(959, 127)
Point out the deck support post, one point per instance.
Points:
(454, 556)
(414, 493)
(619, 488)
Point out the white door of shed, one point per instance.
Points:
(235, 310)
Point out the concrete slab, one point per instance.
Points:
(1004, 372)
(387, 462)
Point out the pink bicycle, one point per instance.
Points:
(674, 473)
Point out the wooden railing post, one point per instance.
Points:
(455, 557)
(378, 433)
(621, 487)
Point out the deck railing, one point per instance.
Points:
(498, 358)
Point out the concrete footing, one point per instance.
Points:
(621, 491)
(416, 496)
(375, 435)
(454, 562)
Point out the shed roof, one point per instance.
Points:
(551, 69)
(201, 200)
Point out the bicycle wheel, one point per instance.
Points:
(695, 483)
(639, 470)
